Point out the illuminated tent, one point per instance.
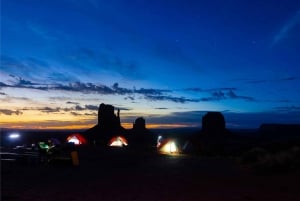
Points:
(118, 141)
(77, 139)
(168, 146)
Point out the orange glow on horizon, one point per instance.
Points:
(64, 126)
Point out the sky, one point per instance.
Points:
(169, 61)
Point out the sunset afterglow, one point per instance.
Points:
(167, 61)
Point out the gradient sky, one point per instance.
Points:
(169, 61)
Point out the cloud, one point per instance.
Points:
(22, 82)
(196, 89)
(151, 91)
(71, 102)
(79, 108)
(121, 91)
(8, 63)
(72, 110)
(49, 109)
(169, 98)
(61, 77)
(287, 28)
(123, 108)
(29, 68)
(232, 95)
(10, 112)
(129, 98)
(83, 87)
(188, 118)
(3, 84)
(76, 114)
(284, 79)
(288, 109)
(217, 94)
(92, 107)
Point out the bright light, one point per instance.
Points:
(74, 140)
(159, 140)
(14, 136)
(170, 147)
(43, 145)
(118, 142)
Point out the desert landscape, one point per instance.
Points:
(242, 167)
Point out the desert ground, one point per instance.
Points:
(120, 174)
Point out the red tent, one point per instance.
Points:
(77, 139)
(118, 141)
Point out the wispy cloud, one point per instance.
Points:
(288, 109)
(262, 81)
(217, 94)
(214, 94)
(92, 107)
(27, 68)
(287, 28)
(10, 112)
(76, 110)
(170, 98)
(49, 109)
(232, 95)
(197, 89)
(71, 102)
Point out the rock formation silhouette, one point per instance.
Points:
(213, 123)
(214, 135)
(108, 126)
(107, 120)
(140, 137)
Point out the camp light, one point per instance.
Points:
(169, 146)
(14, 136)
(118, 141)
(74, 140)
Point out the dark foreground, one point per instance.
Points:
(115, 174)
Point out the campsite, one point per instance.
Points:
(108, 162)
(121, 173)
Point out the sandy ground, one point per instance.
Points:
(118, 175)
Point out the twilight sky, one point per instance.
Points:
(169, 61)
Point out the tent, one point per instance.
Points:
(118, 141)
(77, 139)
(169, 146)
